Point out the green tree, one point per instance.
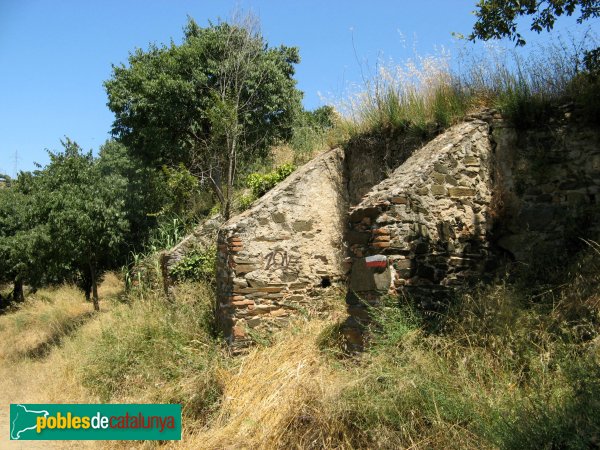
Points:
(24, 238)
(216, 101)
(498, 18)
(146, 191)
(85, 209)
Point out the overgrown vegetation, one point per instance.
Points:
(260, 184)
(425, 95)
(159, 351)
(197, 265)
(506, 366)
(514, 364)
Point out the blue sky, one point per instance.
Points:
(54, 55)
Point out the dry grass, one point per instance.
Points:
(46, 317)
(270, 393)
(502, 371)
(42, 347)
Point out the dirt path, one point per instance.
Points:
(7, 396)
(44, 373)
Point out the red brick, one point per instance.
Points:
(380, 244)
(380, 231)
(382, 238)
(242, 303)
(239, 331)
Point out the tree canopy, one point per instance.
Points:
(498, 18)
(220, 98)
(68, 218)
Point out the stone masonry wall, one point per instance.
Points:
(549, 189)
(478, 192)
(429, 221)
(272, 257)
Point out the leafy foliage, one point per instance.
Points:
(197, 265)
(146, 196)
(181, 186)
(260, 184)
(498, 18)
(212, 103)
(65, 219)
(310, 131)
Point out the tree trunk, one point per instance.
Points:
(18, 290)
(94, 287)
(88, 292)
(230, 177)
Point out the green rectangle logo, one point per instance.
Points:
(40, 422)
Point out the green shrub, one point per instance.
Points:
(260, 184)
(245, 201)
(197, 265)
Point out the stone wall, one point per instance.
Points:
(272, 257)
(429, 223)
(371, 159)
(549, 189)
(480, 192)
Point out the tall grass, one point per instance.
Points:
(507, 367)
(157, 351)
(30, 329)
(425, 95)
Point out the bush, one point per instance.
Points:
(197, 265)
(260, 184)
(245, 201)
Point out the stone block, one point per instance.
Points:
(381, 231)
(382, 280)
(380, 244)
(278, 217)
(441, 168)
(400, 200)
(302, 225)
(452, 180)
(239, 331)
(471, 161)
(439, 178)
(242, 303)
(363, 278)
(382, 238)
(437, 189)
(278, 312)
(460, 192)
(241, 269)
